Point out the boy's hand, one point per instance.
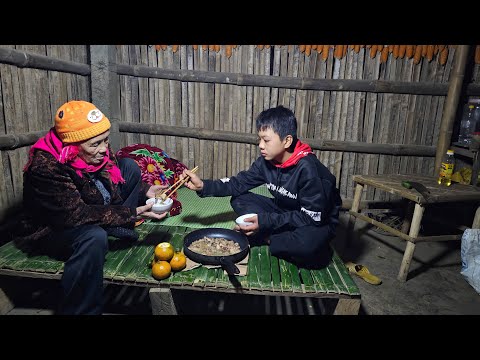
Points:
(248, 229)
(195, 183)
(154, 189)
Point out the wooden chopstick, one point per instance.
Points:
(181, 182)
(174, 186)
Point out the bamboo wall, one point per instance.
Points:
(31, 96)
(28, 99)
(355, 116)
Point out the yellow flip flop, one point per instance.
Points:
(363, 272)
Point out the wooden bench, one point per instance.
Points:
(128, 264)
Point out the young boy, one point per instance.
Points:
(299, 222)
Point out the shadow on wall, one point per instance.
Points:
(9, 218)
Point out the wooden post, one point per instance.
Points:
(476, 219)
(105, 87)
(451, 104)
(162, 301)
(355, 206)
(408, 254)
(5, 304)
(347, 307)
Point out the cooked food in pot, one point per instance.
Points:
(218, 246)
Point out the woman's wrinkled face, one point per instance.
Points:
(93, 151)
(271, 147)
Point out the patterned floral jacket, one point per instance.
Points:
(55, 197)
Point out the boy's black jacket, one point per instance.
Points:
(306, 192)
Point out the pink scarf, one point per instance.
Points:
(68, 154)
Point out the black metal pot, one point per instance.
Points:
(226, 262)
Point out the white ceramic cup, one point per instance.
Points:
(241, 219)
(161, 206)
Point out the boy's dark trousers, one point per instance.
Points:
(306, 246)
(87, 245)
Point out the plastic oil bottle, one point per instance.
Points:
(467, 125)
(446, 169)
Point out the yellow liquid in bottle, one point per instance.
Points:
(446, 172)
(444, 181)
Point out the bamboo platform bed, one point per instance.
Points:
(127, 263)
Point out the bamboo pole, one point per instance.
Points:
(319, 98)
(399, 135)
(451, 103)
(326, 130)
(276, 72)
(217, 120)
(233, 136)
(134, 94)
(105, 93)
(419, 113)
(373, 105)
(375, 86)
(177, 105)
(312, 98)
(440, 107)
(282, 72)
(384, 120)
(125, 90)
(406, 163)
(143, 93)
(184, 50)
(209, 107)
(295, 66)
(339, 121)
(348, 119)
(191, 108)
(300, 98)
(171, 106)
(430, 114)
(358, 113)
(24, 59)
(223, 148)
(237, 118)
(228, 121)
(152, 88)
(160, 100)
(257, 107)
(196, 64)
(249, 124)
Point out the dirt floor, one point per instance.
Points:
(434, 286)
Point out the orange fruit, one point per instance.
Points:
(164, 251)
(178, 262)
(161, 270)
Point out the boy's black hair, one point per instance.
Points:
(281, 120)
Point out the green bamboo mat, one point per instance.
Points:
(128, 263)
(206, 212)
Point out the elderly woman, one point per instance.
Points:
(76, 194)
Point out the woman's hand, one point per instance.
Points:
(248, 229)
(144, 212)
(154, 189)
(195, 183)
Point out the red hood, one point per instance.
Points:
(301, 150)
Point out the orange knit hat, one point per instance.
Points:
(79, 120)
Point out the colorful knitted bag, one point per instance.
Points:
(157, 168)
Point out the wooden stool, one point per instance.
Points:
(438, 194)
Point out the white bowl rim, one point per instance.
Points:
(168, 201)
(239, 220)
